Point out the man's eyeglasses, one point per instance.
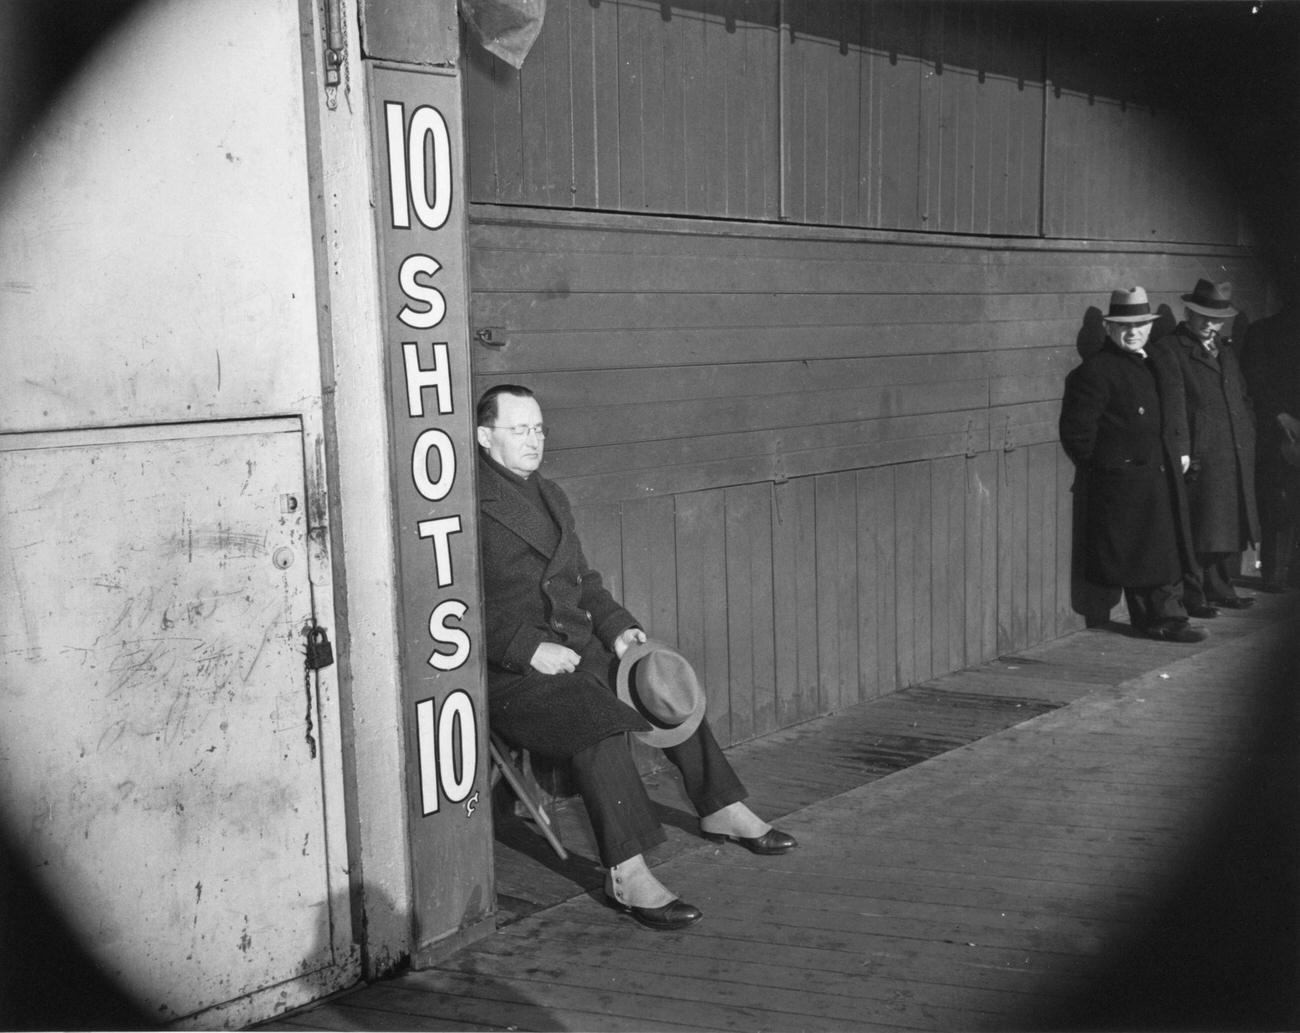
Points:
(522, 430)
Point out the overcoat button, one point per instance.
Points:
(1141, 411)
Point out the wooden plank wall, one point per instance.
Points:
(911, 116)
(783, 275)
(939, 117)
(635, 107)
(824, 462)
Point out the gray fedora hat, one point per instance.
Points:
(660, 685)
(1129, 305)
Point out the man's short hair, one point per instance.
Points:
(486, 411)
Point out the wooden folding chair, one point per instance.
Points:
(525, 788)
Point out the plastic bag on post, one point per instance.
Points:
(506, 28)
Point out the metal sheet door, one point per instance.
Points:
(160, 748)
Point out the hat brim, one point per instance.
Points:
(1205, 310)
(659, 737)
(1129, 319)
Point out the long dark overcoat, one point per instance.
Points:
(1221, 427)
(1126, 448)
(538, 587)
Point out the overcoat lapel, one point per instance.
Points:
(502, 503)
(1205, 358)
(1198, 353)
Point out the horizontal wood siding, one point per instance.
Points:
(822, 486)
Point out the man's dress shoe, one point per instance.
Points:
(676, 914)
(770, 842)
(1174, 631)
(1237, 602)
(1204, 612)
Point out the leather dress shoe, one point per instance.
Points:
(770, 842)
(1203, 612)
(676, 914)
(1238, 602)
(1174, 631)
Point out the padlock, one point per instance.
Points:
(319, 651)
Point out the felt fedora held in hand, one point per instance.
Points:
(1129, 305)
(1211, 299)
(660, 685)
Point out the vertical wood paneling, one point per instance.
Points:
(600, 530)
(649, 589)
(837, 590)
(701, 562)
(1013, 577)
(891, 106)
(1066, 618)
(752, 110)
(593, 44)
(649, 584)
(636, 50)
(1099, 182)
(552, 107)
(698, 113)
(893, 115)
(495, 130)
(948, 633)
(877, 582)
(1040, 541)
(943, 128)
(794, 590)
(981, 557)
(751, 632)
(912, 517)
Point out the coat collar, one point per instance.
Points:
(502, 502)
(1123, 353)
(1195, 350)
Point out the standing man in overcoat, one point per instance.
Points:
(555, 639)
(1220, 425)
(1125, 442)
(1270, 360)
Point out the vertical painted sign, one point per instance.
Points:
(420, 216)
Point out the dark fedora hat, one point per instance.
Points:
(1211, 299)
(1130, 305)
(660, 685)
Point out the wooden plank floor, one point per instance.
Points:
(1099, 833)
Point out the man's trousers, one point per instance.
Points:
(1212, 582)
(621, 813)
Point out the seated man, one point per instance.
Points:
(554, 639)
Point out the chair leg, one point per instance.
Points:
(501, 758)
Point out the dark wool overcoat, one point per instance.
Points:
(1221, 427)
(1270, 360)
(538, 587)
(1127, 449)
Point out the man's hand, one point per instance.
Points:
(1290, 425)
(625, 640)
(553, 658)
(1186, 462)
